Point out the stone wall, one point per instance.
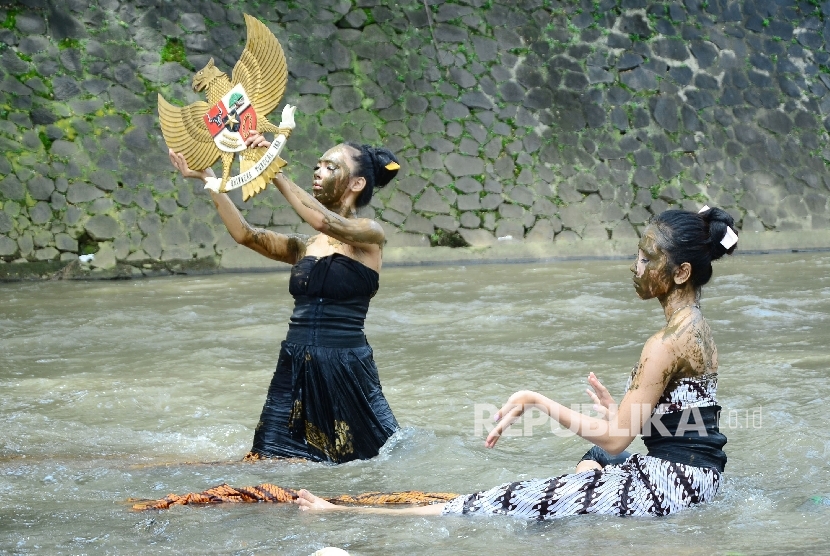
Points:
(531, 121)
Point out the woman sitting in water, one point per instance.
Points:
(670, 399)
(325, 401)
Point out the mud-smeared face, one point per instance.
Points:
(652, 272)
(333, 174)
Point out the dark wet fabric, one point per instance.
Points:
(690, 437)
(325, 401)
(699, 444)
(603, 458)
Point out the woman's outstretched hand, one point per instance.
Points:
(178, 161)
(508, 414)
(604, 404)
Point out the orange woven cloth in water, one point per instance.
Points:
(275, 494)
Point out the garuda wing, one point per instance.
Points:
(185, 132)
(261, 69)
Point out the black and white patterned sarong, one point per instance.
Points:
(642, 486)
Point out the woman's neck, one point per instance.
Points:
(677, 299)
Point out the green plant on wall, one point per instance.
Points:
(173, 51)
(10, 20)
(69, 43)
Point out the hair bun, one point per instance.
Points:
(386, 165)
(377, 165)
(719, 222)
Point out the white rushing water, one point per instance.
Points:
(116, 390)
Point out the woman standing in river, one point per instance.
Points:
(325, 401)
(670, 399)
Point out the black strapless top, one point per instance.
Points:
(331, 298)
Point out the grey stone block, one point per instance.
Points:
(477, 238)
(400, 202)
(345, 99)
(393, 217)
(450, 33)
(510, 91)
(413, 185)
(25, 244)
(430, 201)
(8, 246)
(469, 220)
(12, 63)
(151, 245)
(491, 201)
(665, 113)
(639, 79)
(476, 99)
(507, 38)
(468, 202)
(416, 104)
(11, 188)
(673, 49)
(418, 224)
(538, 98)
(103, 180)
(444, 222)
(34, 44)
(638, 215)
(543, 231)
(468, 185)
(509, 229)
(468, 147)
(11, 85)
(144, 199)
(46, 254)
(43, 238)
(167, 206)
(432, 160)
(65, 87)
(486, 49)
(124, 99)
(6, 223)
(102, 227)
(809, 39)
(82, 193)
(441, 145)
(173, 234)
(41, 213)
(522, 195)
(510, 211)
(460, 165)
(629, 60)
(700, 99)
(8, 37)
(777, 122)
(644, 178)
(65, 242)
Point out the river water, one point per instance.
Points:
(113, 390)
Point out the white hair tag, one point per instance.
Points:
(730, 238)
(704, 209)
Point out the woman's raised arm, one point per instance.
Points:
(280, 247)
(364, 233)
(656, 367)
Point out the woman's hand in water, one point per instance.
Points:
(604, 404)
(509, 413)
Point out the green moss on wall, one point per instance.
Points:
(174, 51)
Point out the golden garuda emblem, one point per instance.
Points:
(206, 131)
